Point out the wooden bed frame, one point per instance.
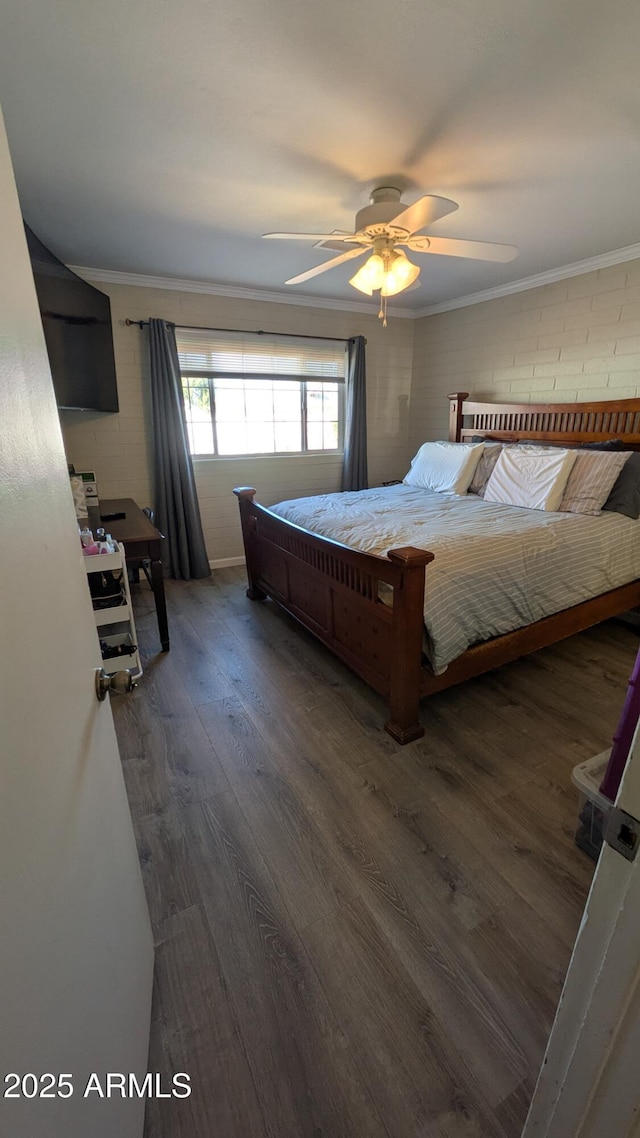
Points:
(334, 590)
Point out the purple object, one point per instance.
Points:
(623, 736)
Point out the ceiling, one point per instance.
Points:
(164, 138)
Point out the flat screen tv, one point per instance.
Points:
(76, 318)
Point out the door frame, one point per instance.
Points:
(588, 1086)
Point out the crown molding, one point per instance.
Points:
(176, 284)
(600, 261)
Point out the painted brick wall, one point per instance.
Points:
(118, 447)
(577, 339)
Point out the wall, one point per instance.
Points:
(118, 446)
(577, 339)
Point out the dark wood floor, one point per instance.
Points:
(353, 938)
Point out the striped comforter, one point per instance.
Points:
(496, 567)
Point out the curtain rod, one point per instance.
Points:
(240, 331)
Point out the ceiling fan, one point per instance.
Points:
(384, 229)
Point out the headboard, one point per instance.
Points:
(559, 423)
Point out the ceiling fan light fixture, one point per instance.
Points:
(401, 273)
(370, 276)
(390, 272)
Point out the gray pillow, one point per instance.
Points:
(592, 478)
(484, 469)
(625, 496)
(606, 444)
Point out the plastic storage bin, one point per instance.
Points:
(594, 807)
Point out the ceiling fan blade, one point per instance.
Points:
(423, 212)
(309, 236)
(339, 244)
(453, 247)
(326, 265)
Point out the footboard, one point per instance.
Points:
(335, 592)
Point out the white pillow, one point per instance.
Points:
(531, 478)
(446, 467)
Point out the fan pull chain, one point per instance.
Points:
(382, 315)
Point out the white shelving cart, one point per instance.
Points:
(114, 622)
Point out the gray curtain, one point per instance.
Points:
(354, 470)
(177, 514)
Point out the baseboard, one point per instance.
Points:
(226, 562)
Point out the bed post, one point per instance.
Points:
(245, 496)
(406, 658)
(455, 414)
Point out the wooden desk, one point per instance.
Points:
(142, 542)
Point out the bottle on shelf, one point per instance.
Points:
(104, 543)
(89, 546)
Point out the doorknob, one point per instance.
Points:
(120, 682)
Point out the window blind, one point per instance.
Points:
(259, 356)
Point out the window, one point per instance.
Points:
(251, 393)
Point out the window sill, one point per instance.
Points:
(326, 456)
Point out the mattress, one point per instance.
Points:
(496, 568)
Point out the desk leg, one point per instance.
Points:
(157, 583)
